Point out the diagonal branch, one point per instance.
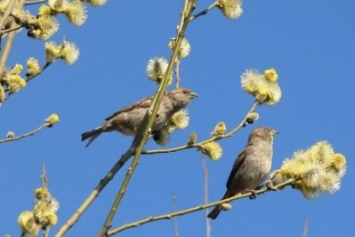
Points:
(95, 193)
(11, 36)
(198, 144)
(196, 208)
(7, 12)
(150, 116)
(29, 78)
(204, 12)
(11, 139)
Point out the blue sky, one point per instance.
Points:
(311, 45)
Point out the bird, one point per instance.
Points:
(251, 166)
(128, 119)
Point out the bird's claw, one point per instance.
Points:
(252, 195)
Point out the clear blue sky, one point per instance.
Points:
(310, 43)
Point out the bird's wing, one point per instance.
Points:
(238, 162)
(143, 103)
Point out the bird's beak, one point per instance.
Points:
(193, 95)
(274, 132)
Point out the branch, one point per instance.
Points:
(214, 138)
(10, 38)
(95, 193)
(204, 12)
(176, 229)
(29, 78)
(177, 72)
(10, 30)
(6, 14)
(45, 186)
(305, 227)
(10, 139)
(196, 208)
(35, 2)
(147, 123)
(205, 195)
(136, 147)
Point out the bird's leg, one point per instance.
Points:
(270, 186)
(252, 195)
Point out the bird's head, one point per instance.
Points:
(181, 97)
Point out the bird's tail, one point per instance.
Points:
(215, 212)
(217, 209)
(93, 134)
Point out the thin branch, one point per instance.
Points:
(205, 195)
(196, 145)
(10, 30)
(7, 12)
(39, 73)
(10, 37)
(10, 139)
(177, 72)
(44, 177)
(47, 200)
(305, 227)
(196, 208)
(27, 80)
(176, 229)
(35, 2)
(204, 12)
(46, 231)
(95, 193)
(150, 117)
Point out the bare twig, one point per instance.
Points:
(45, 187)
(214, 138)
(10, 30)
(176, 229)
(177, 72)
(204, 12)
(35, 2)
(194, 209)
(6, 14)
(46, 232)
(95, 193)
(305, 227)
(44, 177)
(205, 195)
(25, 135)
(10, 38)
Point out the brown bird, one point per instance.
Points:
(251, 166)
(128, 119)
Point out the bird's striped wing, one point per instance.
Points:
(239, 161)
(143, 103)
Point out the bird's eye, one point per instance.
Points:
(185, 92)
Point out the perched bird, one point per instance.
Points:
(128, 119)
(251, 166)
